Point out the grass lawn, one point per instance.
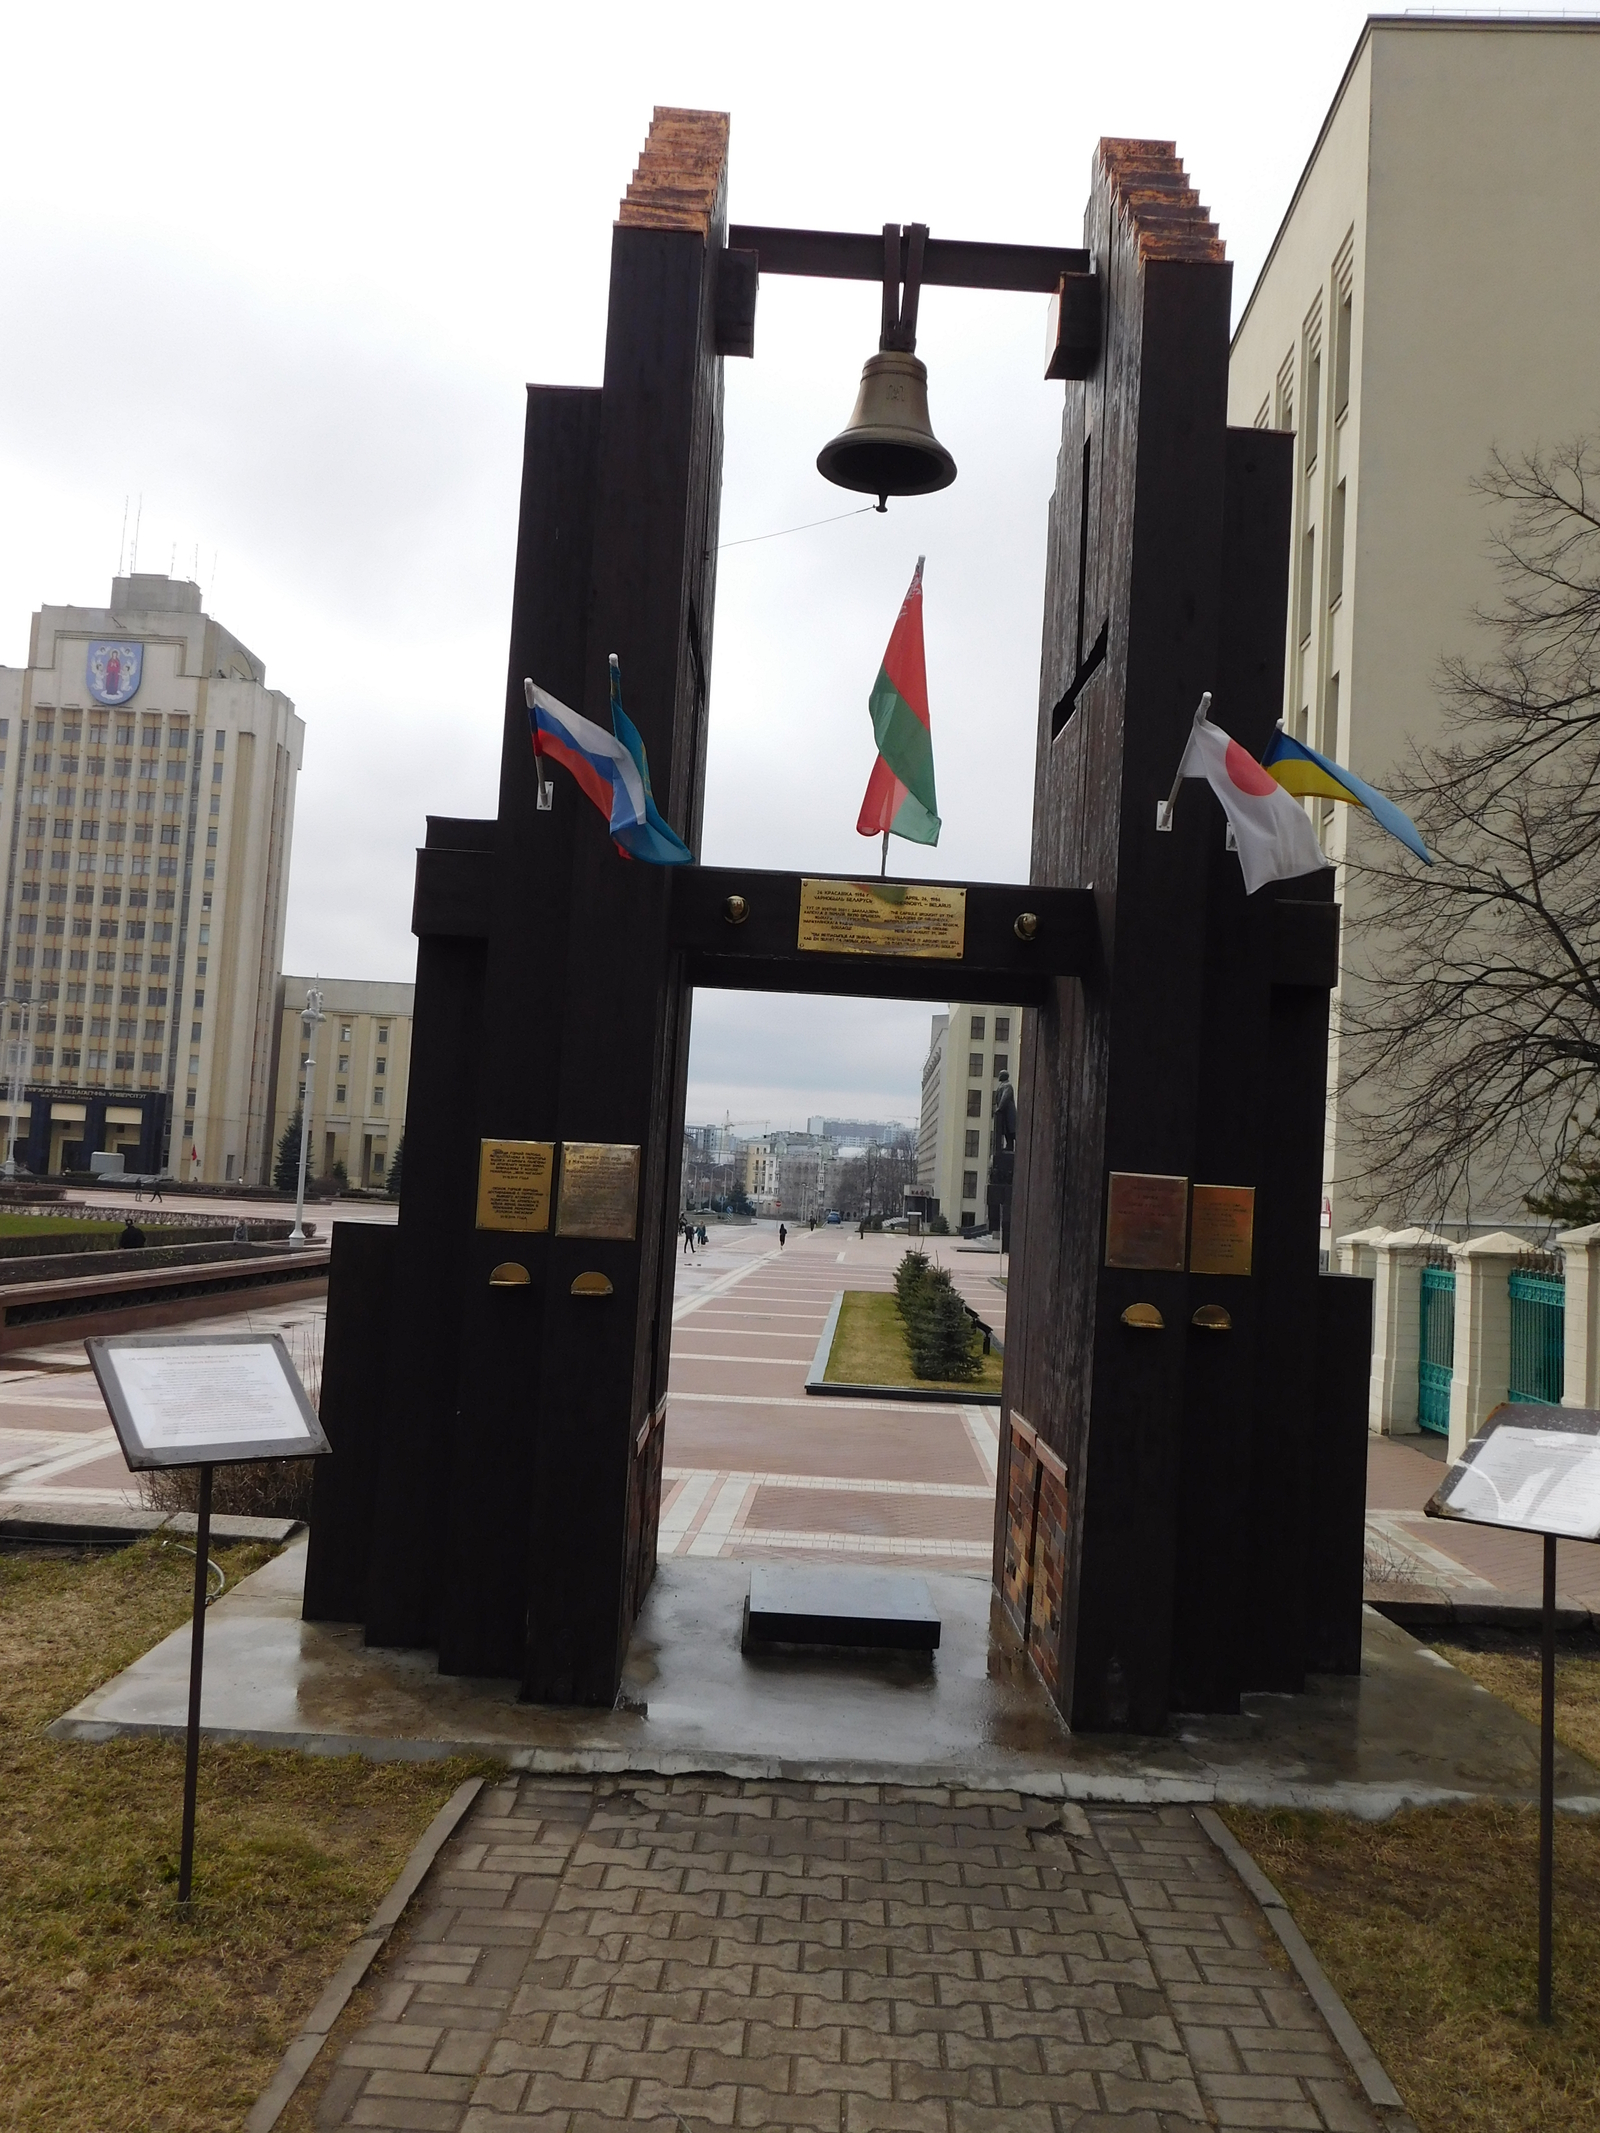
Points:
(869, 1348)
(116, 2011)
(54, 1226)
(1428, 1926)
(1507, 1663)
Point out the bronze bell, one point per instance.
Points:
(888, 448)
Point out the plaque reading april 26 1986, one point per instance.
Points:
(921, 918)
(599, 1189)
(514, 1180)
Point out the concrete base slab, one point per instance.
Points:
(1408, 1730)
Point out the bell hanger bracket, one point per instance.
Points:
(903, 256)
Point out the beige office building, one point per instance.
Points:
(363, 1062)
(147, 787)
(969, 1048)
(1433, 292)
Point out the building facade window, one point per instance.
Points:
(974, 1103)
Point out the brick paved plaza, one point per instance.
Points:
(694, 1953)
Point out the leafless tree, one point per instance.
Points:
(1472, 1014)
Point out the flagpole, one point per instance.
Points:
(1164, 807)
(883, 869)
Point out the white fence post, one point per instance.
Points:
(1398, 1258)
(1580, 1248)
(1358, 1252)
(1482, 1377)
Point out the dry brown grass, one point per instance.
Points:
(1428, 1926)
(115, 2010)
(1507, 1663)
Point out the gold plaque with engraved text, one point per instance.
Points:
(1146, 1216)
(1222, 1229)
(514, 1180)
(599, 1189)
(911, 918)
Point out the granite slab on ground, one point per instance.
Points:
(1409, 1729)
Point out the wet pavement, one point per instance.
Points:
(1410, 1728)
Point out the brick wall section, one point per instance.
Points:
(1022, 1494)
(644, 1509)
(689, 1953)
(1048, 1596)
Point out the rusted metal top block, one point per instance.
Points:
(681, 171)
(1152, 189)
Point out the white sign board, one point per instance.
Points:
(204, 1399)
(1534, 1469)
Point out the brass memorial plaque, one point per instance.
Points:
(1146, 1216)
(599, 1189)
(912, 918)
(1222, 1229)
(514, 1179)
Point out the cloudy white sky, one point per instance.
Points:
(282, 273)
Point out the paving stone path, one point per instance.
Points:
(691, 1953)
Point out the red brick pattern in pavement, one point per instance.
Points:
(688, 1953)
(742, 1432)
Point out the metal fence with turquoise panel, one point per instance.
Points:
(1538, 1330)
(1436, 1352)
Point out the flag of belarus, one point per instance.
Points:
(1275, 839)
(900, 797)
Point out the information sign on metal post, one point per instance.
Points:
(203, 1400)
(1534, 1470)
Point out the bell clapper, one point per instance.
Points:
(882, 504)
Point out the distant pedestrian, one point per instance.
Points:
(240, 1234)
(861, 1227)
(702, 1235)
(783, 1236)
(132, 1236)
(155, 1188)
(811, 1222)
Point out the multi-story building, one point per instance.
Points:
(1432, 293)
(147, 786)
(363, 1062)
(970, 1051)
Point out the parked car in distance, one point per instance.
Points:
(834, 1216)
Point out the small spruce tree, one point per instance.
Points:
(286, 1169)
(391, 1183)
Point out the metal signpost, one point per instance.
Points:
(1534, 1470)
(205, 1400)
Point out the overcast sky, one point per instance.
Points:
(283, 272)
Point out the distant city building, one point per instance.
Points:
(1373, 335)
(147, 789)
(969, 1049)
(363, 1063)
(861, 1132)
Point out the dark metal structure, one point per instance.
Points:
(495, 1483)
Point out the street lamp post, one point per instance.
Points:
(310, 1015)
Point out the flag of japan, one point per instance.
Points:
(1275, 838)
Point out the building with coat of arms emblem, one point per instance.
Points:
(147, 788)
